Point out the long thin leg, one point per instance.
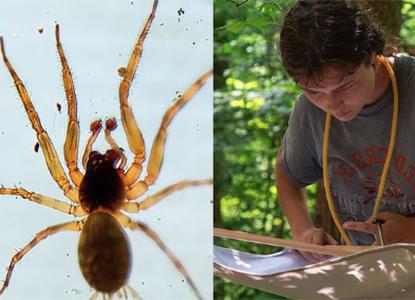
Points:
(134, 207)
(127, 222)
(75, 210)
(157, 151)
(49, 152)
(72, 131)
(133, 133)
(70, 226)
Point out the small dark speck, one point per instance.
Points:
(178, 20)
(68, 276)
(211, 201)
(159, 219)
(66, 292)
(132, 3)
(142, 282)
(186, 29)
(2, 132)
(206, 39)
(194, 43)
(180, 12)
(119, 54)
(161, 24)
(67, 254)
(182, 280)
(170, 285)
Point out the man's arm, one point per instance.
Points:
(294, 205)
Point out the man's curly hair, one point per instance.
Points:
(320, 33)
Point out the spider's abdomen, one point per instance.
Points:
(102, 186)
(104, 253)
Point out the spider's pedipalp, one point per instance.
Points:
(95, 128)
(135, 207)
(110, 125)
(49, 152)
(69, 226)
(64, 207)
(157, 151)
(72, 132)
(133, 133)
(133, 225)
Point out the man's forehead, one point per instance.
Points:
(328, 76)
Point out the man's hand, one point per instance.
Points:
(396, 229)
(315, 236)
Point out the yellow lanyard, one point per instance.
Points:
(385, 167)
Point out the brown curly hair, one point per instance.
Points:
(319, 33)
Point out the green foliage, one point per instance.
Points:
(253, 99)
(408, 22)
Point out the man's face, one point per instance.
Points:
(342, 95)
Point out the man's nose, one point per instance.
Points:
(333, 103)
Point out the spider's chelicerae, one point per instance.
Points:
(107, 188)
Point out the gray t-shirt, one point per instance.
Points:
(357, 151)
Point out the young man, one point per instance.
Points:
(331, 50)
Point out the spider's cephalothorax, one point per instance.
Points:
(102, 185)
(107, 189)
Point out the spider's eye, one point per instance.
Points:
(94, 156)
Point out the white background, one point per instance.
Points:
(98, 37)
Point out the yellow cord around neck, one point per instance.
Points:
(385, 166)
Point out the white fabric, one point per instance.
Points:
(385, 273)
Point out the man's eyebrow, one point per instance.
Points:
(315, 87)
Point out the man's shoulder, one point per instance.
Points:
(404, 64)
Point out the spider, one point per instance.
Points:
(107, 188)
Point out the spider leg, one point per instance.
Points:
(133, 133)
(132, 225)
(132, 291)
(70, 226)
(75, 210)
(49, 152)
(72, 131)
(157, 151)
(134, 207)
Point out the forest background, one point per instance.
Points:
(253, 100)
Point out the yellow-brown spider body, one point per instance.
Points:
(100, 196)
(104, 253)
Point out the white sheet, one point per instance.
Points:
(385, 273)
